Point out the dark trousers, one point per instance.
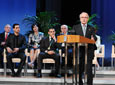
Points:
(82, 65)
(43, 55)
(1, 57)
(10, 63)
(69, 56)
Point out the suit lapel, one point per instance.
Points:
(47, 41)
(87, 30)
(80, 30)
(4, 36)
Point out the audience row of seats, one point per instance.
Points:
(98, 55)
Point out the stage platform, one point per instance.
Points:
(103, 77)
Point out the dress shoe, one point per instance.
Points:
(39, 75)
(18, 75)
(80, 82)
(13, 75)
(31, 65)
(58, 75)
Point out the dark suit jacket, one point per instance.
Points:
(89, 32)
(2, 38)
(10, 42)
(44, 44)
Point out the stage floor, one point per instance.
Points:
(103, 77)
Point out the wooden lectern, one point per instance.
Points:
(74, 39)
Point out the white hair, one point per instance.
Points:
(64, 26)
(8, 25)
(82, 13)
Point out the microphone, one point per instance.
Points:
(71, 31)
(61, 33)
(65, 38)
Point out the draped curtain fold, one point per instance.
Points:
(106, 20)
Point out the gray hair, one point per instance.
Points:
(64, 26)
(82, 13)
(8, 25)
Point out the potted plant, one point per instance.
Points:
(92, 21)
(45, 20)
(112, 37)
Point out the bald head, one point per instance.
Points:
(7, 28)
(84, 17)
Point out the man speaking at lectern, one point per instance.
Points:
(83, 29)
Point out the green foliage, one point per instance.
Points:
(112, 36)
(45, 20)
(69, 28)
(92, 21)
(92, 17)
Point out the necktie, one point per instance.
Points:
(50, 43)
(84, 29)
(6, 36)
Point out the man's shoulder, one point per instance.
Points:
(77, 26)
(45, 38)
(11, 34)
(41, 33)
(2, 33)
(90, 26)
(22, 36)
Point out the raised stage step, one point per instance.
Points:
(103, 77)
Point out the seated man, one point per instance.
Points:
(48, 48)
(64, 31)
(15, 45)
(3, 37)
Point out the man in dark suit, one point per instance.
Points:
(15, 46)
(48, 46)
(3, 37)
(83, 29)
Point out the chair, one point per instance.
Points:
(14, 60)
(94, 62)
(48, 60)
(112, 55)
(101, 54)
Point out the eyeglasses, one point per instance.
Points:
(51, 31)
(63, 28)
(84, 17)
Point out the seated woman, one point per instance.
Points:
(34, 40)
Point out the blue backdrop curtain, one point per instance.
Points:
(105, 10)
(14, 11)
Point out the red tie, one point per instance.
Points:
(6, 36)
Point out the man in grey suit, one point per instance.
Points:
(83, 29)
